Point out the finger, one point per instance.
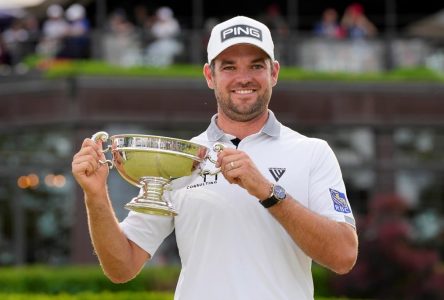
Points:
(234, 176)
(234, 168)
(240, 170)
(90, 142)
(227, 151)
(223, 154)
(86, 155)
(90, 147)
(234, 164)
(96, 145)
(231, 170)
(80, 169)
(85, 164)
(225, 161)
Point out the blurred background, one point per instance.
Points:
(387, 132)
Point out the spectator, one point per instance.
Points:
(31, 25)
(207, 27)
(121, 43)
(54, 30)
(356, 24)
(77, 41)
(16, 38)
(165, 29)
(5, 58)
(275, 21)
(329, 26)
(143, 22)
(278, 25)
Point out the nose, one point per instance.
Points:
(244, 76)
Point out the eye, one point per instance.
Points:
(257, 66)
(228, 68)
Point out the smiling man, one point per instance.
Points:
(252, 232)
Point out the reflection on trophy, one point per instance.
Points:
(155, 164)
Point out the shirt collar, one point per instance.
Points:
(272, 128)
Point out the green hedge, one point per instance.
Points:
(104, 296)
(76, 279)
(92, 296)
(67, 68)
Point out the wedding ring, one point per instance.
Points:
(232, 165)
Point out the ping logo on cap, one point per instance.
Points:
(241, 31)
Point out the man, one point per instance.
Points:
(252, 232)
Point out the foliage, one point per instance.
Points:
(60, 281)
(399, 75)
(104, 296)
(67, 68)
(92, 296)
(391, 265)
(321, 281)
(76, 279)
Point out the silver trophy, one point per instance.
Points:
(155, 164)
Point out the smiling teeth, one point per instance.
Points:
(244, 91)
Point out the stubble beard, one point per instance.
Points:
(242, 113)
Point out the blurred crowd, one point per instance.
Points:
(353, 24)
(151, 39)
(336, 39)
(142, 38)
(145, 36)
(63, 34)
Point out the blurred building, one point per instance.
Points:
(389, 137)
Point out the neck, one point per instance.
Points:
(241, 129)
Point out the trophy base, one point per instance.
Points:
(152, 207)
(149, 200)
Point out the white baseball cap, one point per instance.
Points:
(239, 30)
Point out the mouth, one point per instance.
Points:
(244, 91)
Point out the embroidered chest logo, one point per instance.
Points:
(277, 173)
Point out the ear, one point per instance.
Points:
(275, 72)
(208, 76)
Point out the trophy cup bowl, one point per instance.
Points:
(155, 164)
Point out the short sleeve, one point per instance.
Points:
(147, 231)
(327, 192)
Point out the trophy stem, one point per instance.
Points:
(150, 200)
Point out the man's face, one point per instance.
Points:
(242, 79)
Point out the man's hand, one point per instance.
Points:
(237, 167)
(87, 170)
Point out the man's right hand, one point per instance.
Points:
(88, 171)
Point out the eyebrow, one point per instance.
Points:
(232, 62)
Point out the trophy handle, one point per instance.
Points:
(216, 148)
(103, 136)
